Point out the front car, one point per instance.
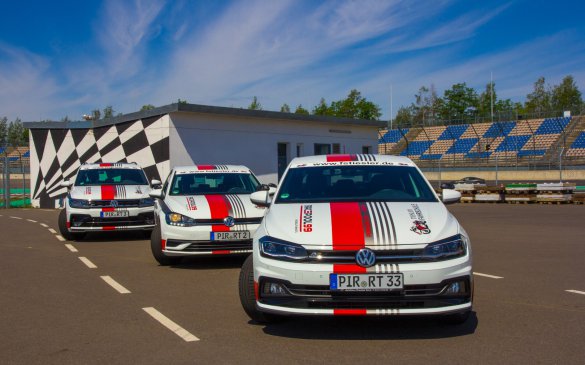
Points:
(205, 210)
(359, 235)
(107, 197)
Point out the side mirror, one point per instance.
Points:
(451, 196)
(261, 198)
(156, 184)
(156, 193)
(66, 183)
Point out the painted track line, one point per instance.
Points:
(178, 330)
(488, 276)
(32, 220)
(44, 225)
(15, 217)
(71, 247)
(60, 238)
(576, 291)
(114, 284)
(88, 263)
(52, 231)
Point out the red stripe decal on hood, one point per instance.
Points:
(206, 167)
(347, 227)
(350, 312)
(108, 192)
(340, 158)
(220, 208)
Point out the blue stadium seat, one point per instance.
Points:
(499, 129)
(436, 156)
(579, 142)
(513, 143)
(553, 126)
(453, 132)
(485, 154)
(524, 153)
(393, 136)
(463, 145)
(416, 148)
(26, 154)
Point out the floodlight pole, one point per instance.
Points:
(561, 164)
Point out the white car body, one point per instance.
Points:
(217, 223)
(106, 204)
(332, 234)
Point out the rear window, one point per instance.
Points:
(213, 183)
(95, 177)
(354, 183)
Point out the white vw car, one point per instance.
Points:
(107, 197)
(205, 210)
(357, 235)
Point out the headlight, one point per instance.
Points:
(448, 248)
(179, 220)
(146, 202)
(78, 203)
(281, 250)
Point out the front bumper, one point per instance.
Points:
(90, 220)
(308, 291)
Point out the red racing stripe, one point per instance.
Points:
(340, 158)
(256, 290)
(220, 252)
(220, 208)
(206, 167)
(349, 312)
(108, 192)
(105, 165)
(163, 244)
(348, 269)
(108, 228)
(108, 209)
(347, 227)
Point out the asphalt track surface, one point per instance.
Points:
(55, 309)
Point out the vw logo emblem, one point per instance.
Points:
(114, 203)
(229, 221)
(365, 257)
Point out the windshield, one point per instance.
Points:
(96, 177)
(213, 183)
(354, 183)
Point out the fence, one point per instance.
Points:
(14, 177)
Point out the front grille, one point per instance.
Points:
(384, 256)
(324, 291)
(213, 222)
(126, 203)
(207, 246)
(82, 220)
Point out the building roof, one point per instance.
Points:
(203, 109)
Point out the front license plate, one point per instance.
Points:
(115, 214)
(366, 282)
(230, 236)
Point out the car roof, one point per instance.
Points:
(212, 168)
(351, 159)
(110, 165)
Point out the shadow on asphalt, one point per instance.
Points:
(113, 236)
(369, 328)
(211, 262)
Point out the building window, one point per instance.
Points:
(299, 149)
(366, 149)
(322, 149)
(336, 148)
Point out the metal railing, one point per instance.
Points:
(14, 177)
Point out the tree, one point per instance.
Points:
(3, 131)
(96, 114)
(484, 106)
(255, 105)
(403, 117)
(285, 108)
(108, 112)
(355, 106)
(16, 133)
(566, 96)
(538, 101)
(322, 108)
(65, 119)
(181, 101)
(426, 106)
(459, 101)
(147, 107)
(301, 110)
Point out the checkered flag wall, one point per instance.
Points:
(58, 153)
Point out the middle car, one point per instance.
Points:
(205, 210)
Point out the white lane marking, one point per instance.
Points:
(488, 276)
(178, 330)
(88, 263)
(60, 238)
(576, 291)
(70, 247)
(32, 220)
(114, 284)
(15, 217)
(52, 231)
(44, 225)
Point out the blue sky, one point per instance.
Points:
(66, 58)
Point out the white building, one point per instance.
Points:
(187, 134)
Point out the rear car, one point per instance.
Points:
(205, 210)
(107, 197)
(357, 235)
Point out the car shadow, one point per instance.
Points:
(369, 328)
(113, 236)
(211, 262)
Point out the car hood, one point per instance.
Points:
(353, 225)
(110, 192)
(214, 206)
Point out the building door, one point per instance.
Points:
(282, 158)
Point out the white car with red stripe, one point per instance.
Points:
(357, 235)
(205, 210)
(107, 197)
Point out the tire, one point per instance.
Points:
(147, 234)
(69, 236)
(456, 318)
(155, 246)
(248, 297)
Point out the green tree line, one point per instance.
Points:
(13, 133)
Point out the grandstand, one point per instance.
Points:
(515, 142)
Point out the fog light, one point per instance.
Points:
(277, 289)
(457, 287)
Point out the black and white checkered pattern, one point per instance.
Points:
(60, 152)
